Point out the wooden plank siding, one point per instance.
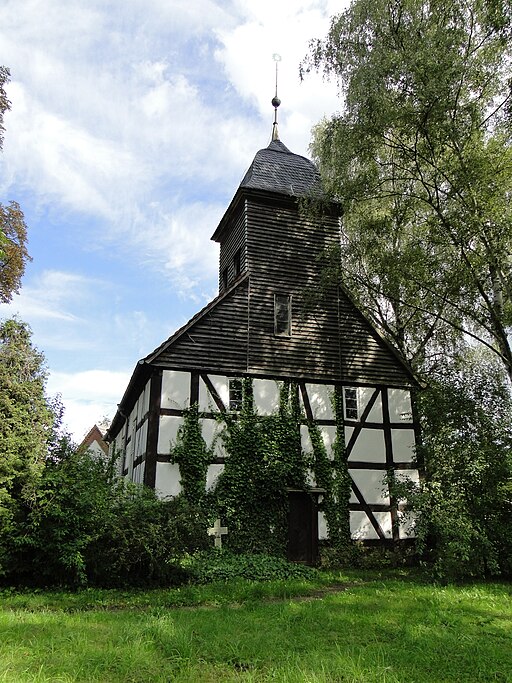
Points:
(330, 340)
(282, 250)
(217, 341)
(365, 357)
(236, 242)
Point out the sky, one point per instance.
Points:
(132, 123)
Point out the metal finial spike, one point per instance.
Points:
(275, 100)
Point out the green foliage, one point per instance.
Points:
(250, 494)
(143, 540)
(192, 455)
(421, 161)
(13, 230)
(87, 528)
(334, 478)
(464, 506)
(223, 565)
(265, 460)
(26, 425)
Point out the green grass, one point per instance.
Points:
(386, 628)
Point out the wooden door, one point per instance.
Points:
(302, 528)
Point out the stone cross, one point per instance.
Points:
(218, 531)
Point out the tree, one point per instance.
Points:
(465, 502)
(27, 423)
(13, 230)
(421, 160)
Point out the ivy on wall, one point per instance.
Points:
(264, 459)
(250, 494)
(192, 455)
(333, 477)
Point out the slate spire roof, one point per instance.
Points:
(276, 169)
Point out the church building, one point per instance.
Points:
(274, 321)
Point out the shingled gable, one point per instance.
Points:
(213, 338)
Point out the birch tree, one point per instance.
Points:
(420, 158)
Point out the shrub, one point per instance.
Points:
(86, 527)
(223, 565)
(463, 507)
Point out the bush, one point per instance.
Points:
(223, 565)
(463, 507)
(86, 527)
(360, 556)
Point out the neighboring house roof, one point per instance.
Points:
(94, 436)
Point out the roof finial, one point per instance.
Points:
(275, 100)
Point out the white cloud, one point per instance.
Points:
(87, 396)
(131, 126)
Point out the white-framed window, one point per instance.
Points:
(283, 315)
(350, 403)
(235, 394)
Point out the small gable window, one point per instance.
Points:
(235, 394)
(350, 403)
(282, 315)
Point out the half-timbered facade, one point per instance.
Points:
(273, 322)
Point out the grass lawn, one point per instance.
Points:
(390, 628)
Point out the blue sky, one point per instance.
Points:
(132, 124)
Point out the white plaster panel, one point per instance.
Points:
(130, 446)
(407, 521)
(322, 527)
(139, 406)
(320, 401)
(305, 439)
(133, 417)
(364, 394)
(210, 431)
(168, 479)
(361, 528)
(369, 446)
(146, 397)
(408, 475)
(141, 439)
(266, 396)
(385, 523)
(175, 389)
(328, 434)
(372, 486)
(221, 385)
(310, 479)
(167, 432)
(400, 409)
(404, 442)
(143, 403)
(213, 474)
(138, 474)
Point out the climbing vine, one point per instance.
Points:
(264, 460)
(251, 491)
(192, 455)
(332, 476)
